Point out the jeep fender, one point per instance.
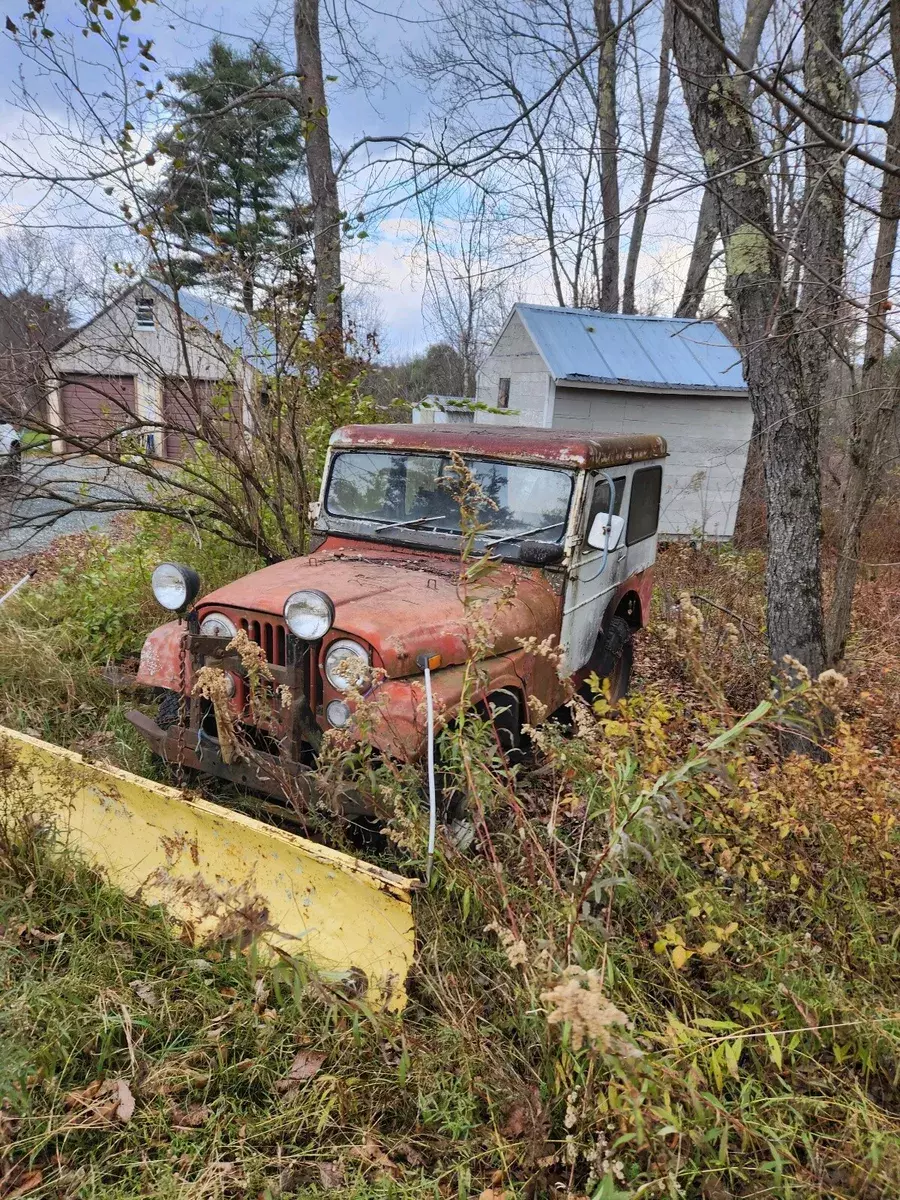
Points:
(161, 659)
(397, 715)
(634, 595)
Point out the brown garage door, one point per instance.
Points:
(94, 406)
(190, 405)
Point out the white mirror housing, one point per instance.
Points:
(597, 533)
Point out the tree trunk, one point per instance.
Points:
(876, 401)
(766, 334)
(822, 221)
(323, 190)
(608, 129)
(707, 225)
(651, 162)
(701, 257)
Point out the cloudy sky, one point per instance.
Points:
(382, 98)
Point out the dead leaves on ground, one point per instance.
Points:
(19, 1181)
(306, 1064)
(101, 1103)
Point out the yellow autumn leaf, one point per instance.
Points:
(709, 948)
(680, 955)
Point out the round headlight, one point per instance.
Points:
(338, 714)
(309, 615)
(346, 664)
(217, 625)
(175, 586)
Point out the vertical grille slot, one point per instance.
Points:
(270, 635)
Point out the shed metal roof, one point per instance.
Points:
(580, 345)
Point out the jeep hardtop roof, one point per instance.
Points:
(522, 443)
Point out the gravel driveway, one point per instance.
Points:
(53, 497)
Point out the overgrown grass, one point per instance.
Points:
(668, 967)
(90, 607)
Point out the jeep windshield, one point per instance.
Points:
(400, 494)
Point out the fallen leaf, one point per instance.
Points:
(515, 1124)
(306, 1064)
(26, 1183)
(191, 1118)
(144, 992)
(125, 1106)
(100, 1103)
(83, 1095)
(371, 1152)
(331, 1176)
(28, 933)
(410, 1153)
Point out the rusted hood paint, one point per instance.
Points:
(403, 604)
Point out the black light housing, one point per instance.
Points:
(175, 586)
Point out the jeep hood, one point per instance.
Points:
(403, 604)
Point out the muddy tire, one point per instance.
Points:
(169, 712)
(613, 659)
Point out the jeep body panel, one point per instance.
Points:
(401, 592)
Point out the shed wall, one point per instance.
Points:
(515, 358)
(707, 437)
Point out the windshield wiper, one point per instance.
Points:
(409, 524)
(524, 533)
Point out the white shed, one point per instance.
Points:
(573, 368)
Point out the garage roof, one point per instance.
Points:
(237, 330)
(581, 345)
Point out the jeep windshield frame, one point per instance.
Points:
(408, 497)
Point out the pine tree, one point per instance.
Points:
(234, 161)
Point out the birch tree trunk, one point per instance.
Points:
(651, 161)
(766, 334)
(608, 128)
(326, 209)
(875, 402)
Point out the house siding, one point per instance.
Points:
(707, 437)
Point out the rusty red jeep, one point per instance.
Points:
(568, 521)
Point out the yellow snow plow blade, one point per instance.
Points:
(219, 873)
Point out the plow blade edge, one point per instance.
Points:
(218, 873)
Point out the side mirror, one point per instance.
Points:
(533, 553)
(596, 538)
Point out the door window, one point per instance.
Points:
(643, 511)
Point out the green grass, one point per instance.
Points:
(92, 606)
